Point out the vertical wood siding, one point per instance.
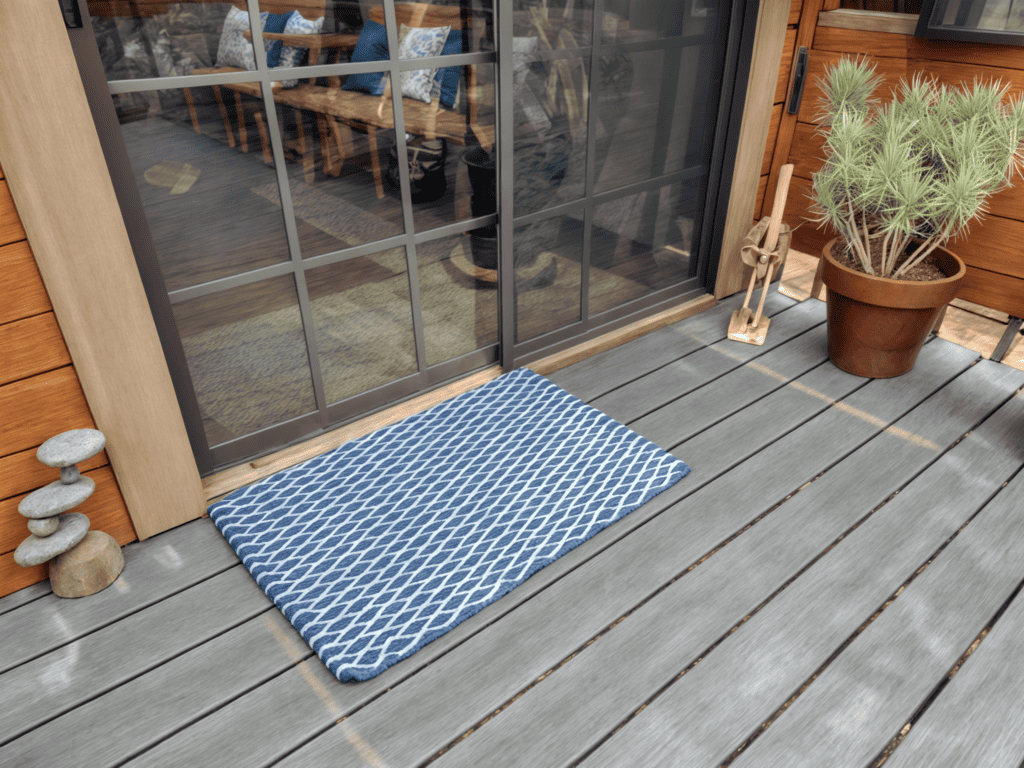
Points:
(39, 397)
(992, 248)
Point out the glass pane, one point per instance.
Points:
(627, 21)
(547, 257)
(641, 243)
(450, 152)
(887, 6)
(362, 314)
(547, 19)
(153, 39)
(654, 111)
(459, 301)
(203, 183)
(550, 126)
(336, 167)
(246, 354)
(992, 15)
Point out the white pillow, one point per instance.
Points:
(234, 50)
(420, 42)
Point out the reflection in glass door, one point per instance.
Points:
(613, 112)
(314, 259)
(308, 262)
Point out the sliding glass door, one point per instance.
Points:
(315, 188)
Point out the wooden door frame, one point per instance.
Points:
(58, 178)
(769, 39)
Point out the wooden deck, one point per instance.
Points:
(798, 600)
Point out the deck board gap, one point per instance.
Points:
(11, 608)
(121, 617)
(711, 380)
(946, 679)
(878, 612)
(729, 415)
(893, 743)
(761, 728)
(206, 712)
(98, 693)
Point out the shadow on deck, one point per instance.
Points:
(800, 599)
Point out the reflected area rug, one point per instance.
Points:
(379, 547)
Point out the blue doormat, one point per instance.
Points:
(384, 544)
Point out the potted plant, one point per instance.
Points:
(900, 180)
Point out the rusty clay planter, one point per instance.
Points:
(877, 325)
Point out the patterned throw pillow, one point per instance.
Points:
(449, 77)
(291, 56)
(420, 42)
(275, 23)
(234, 50)
(371, 46)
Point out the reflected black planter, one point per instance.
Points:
(540, 166)
(483, 200)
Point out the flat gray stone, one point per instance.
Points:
(56, 497)
(35, 550)
(71, 447)
(43, 526)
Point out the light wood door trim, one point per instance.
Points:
(59, 181)
(769, 40)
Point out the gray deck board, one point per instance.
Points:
(842, 719)
(978, 720)
(24, 596)
(183, 557)
(68, 676)
(178, 693)
(655, 389)
(350, 697)
(563, 717)
(703, 717)
(185, 662)
(702, 408)
(424, 714)
(610, 369)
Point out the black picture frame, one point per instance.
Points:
(961, 20)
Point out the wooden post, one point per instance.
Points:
(58, 177)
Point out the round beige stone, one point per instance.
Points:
(89, 567)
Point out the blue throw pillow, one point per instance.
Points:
(275, 23)
(371, 46)
(448, 77)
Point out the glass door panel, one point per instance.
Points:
(639, 244)
(314, 189)
(362, 313)
(297, 253)
(616, 140)
(459, 303)
(247, 357)
(548, 255)
(201, 194)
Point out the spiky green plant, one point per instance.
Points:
(914, 172)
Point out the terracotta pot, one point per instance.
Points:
(877, 325)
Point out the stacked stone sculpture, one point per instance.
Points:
(82, 561)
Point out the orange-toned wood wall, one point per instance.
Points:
(992, 249)
(39, 397)
(780, 132)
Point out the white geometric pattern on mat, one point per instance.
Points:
(384, 544)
